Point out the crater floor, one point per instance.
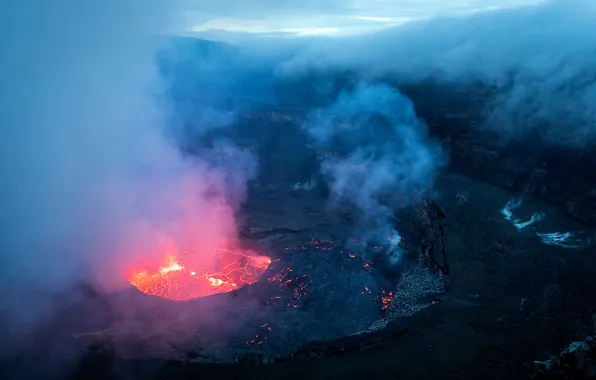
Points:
(511, 298)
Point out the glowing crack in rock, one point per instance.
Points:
(298, 284)
(189, 276)
(385, 298)
(315, 245)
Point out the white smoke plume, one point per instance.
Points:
(91, 185)
(384, 149)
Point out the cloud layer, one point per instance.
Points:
(538, 60)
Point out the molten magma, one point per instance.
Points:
(186, 276)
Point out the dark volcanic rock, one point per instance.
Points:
(583, 209)
(578, 361)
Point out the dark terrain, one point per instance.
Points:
(507, 299)
(511, 300)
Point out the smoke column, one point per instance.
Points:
(383, 150)
(90, 184)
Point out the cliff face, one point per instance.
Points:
(562, 175)
(554, 171)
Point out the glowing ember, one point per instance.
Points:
(297, 284)
(386, 300)
(187, 276)
(315, 245)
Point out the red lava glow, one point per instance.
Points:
(386, 300)
(186, 276)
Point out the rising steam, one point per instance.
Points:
(383, 149)
(93, 186)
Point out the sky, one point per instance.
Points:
(327, 17)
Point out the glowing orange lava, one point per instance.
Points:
(187, 276)
(386, 300)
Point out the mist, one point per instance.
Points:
(533, 66)
(536, 61)
(382, 149)
(93, 182)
